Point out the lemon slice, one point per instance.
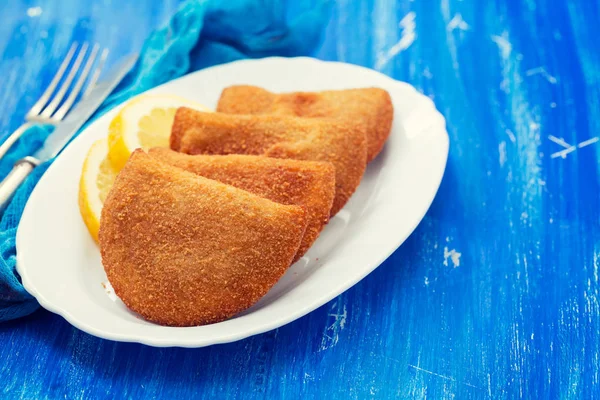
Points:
(97, 177)
(143, 123)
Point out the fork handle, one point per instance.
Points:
(13, 180)
(4, 147)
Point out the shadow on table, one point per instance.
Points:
(311, 345)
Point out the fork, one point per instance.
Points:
(46, 110)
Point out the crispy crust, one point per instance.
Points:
(309, 184)
(196, 132)
(370, 107)
(183, 250)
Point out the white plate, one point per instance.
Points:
(60, 264)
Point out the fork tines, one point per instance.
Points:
(47, 109)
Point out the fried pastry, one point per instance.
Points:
(369, 107)
(183, 250)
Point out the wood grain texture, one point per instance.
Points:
(495, 295)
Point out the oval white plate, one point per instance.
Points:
(60, 264)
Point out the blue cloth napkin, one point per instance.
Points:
(200, 34)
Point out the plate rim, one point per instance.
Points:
(274, 323)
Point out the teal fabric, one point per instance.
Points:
(200, 34)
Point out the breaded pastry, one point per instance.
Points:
(370, 107)
(184, 250)
(309, 184)
(196, 132)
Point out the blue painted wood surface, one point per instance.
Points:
(495, 295)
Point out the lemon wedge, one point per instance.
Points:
(97, 177)
(143, 123)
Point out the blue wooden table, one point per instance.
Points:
(495, 295)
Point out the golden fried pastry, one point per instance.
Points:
(309, 184)
(196, 132)
(370, 107)
(183, 250)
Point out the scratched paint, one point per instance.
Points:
(408, 35)
(34, 12)
(338, 314)
(495, 295)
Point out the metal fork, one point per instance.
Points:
(46, 110)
